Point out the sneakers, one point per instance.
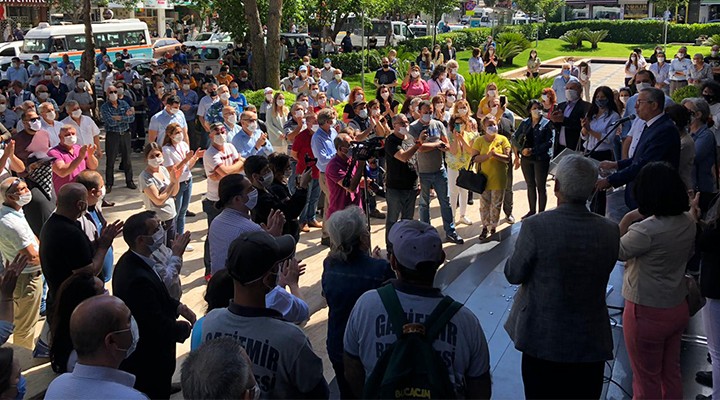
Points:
(189, 248)
(510, 219)
(704, 378)
(377, 214)
(464, 220)
(42, 350)
(454, 238)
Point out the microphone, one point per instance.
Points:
(626, 119)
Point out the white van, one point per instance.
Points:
(377, 35)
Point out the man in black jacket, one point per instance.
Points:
(257, 169)
(156, 313)
(567, 116)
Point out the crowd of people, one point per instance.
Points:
(275, 170)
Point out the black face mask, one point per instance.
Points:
(386, 66)
(709, 98)
(213, 93)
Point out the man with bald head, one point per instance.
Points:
(65, 246)
(103, 333)
(567, 117)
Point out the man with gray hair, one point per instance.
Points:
(87, 130)
(218, 369)
(559, 319)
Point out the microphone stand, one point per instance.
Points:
(610, 130)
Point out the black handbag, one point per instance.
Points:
(471, 180)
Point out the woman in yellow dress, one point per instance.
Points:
(463, 131)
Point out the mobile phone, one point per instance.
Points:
(412, 63)
(503, 100)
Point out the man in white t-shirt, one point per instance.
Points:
(16, 237)
(87, 130)
(416, 255)
(220, 159)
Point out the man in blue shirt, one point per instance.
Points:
(35, 70)
(17, 72)
(189, 101)
(180, 57)
(251, 141)
(117, 116)
(99, 59)
(171, 113)
(237, 97)
(129, 74)
(323, 147)
(338, 89)
(65, 62)
(561, 81)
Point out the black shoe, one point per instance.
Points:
(704, 378)
(454, 238)
(483, 234)
(106, 203)
(325, 241)
(175, 388)
(530, 214)
(492, 232)
(108, 189)
(470, 201)
(131, 185)
(377, 214)
(189, 214)
(703, 397)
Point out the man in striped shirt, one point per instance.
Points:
(117, 116)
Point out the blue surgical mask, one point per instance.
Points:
(602, 103)
(21, 388)
(566, 72)
(252, 199)
(234, 91)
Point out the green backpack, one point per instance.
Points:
(411, 368)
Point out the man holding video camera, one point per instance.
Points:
(431, 169)
(341, 192)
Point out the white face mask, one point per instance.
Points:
(462, 111)
(494, 110)
(375, 111)
(536, 112)
(450, 99)
(314, 128)
(134, 331)
(76, 114)
(3, 107)
(327, 65)
(177, 138)
(137, 86)
(280, 102)
(35, 125)
(252, 199)
(403, 130)
(112, 97)
(267, 180)
(571, 95)
(305, 104)
(385, 95)
(363, 113)
(268, 97)
(426, 118)
(314, 92)
(103, 192)
(70, 140)
(252, 127)
(642, 85)
(186, 87)
(414, 74)
(492, 129)
(338, 77)
(225, 96)
(43, 96)
(623, 99)
(220, 139)
(155, 162)
(121, 91)
(231, 119)
(50, 115)
(492, 93)
(359, 97)
(24, 199)
(544, 97)
(299, 113)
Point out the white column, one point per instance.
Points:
(161, 22)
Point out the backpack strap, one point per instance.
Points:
(396, 314)
(440, 316)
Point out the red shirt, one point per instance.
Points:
(301, 146)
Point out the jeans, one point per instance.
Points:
(711, 319)
(308, 213)
(652, 338)
(439, 182)
(182, 199)
(400, 205)
(211, 212)
(458, 195)
(293, 174)
(535, 174)
(170, 231)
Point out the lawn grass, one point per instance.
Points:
(547, 49)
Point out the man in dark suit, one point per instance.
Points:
(139, 286)
(559, 319)
(567, 116)
(659, 141)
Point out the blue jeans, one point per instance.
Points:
(400, 205)
(182, 199)
(439, 182)
(308, 213)
(291, 179)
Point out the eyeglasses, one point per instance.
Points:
(645, 101)
(34, 119)
(13, 185)
(112, 91)
(250, 120)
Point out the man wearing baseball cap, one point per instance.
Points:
(302, 82)
(327, 71)
(266, 104)
(415, 256)
(283, 360)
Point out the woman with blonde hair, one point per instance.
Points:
(491, 152)
(275, 119)
(463, 132)
(486, 103)
(159, 187)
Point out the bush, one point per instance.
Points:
(510, 45)
(463, 39)
(683, 93)
(628, 31)
(349, 63)
(475, 85)
(574, 37)
(595, 37)
(520, 92)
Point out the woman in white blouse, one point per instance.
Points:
(159, 187)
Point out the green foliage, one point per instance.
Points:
(520, 92)
(630, 31)
(475, 85)
(574, 37)
(539, 7)
(464, 39)
(595, 37)
(509, 45)
(713, 40)
(683, 93)
(256, 97)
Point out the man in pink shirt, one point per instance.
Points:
(70, 158)
(342, 196)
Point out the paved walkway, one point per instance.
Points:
(39, 374)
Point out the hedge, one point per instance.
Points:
(619, 31)
(348, 63)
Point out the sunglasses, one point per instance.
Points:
(13, 185)
(34, 119)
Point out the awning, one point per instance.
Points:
(591, 2)
(709, 2)
(25, 3)
(642, 2)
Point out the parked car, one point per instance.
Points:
(210, 55)
(164, 45)
(5, 64)
(209, 38)
(292, 40)
(376, 34)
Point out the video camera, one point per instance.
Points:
(367, 149)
